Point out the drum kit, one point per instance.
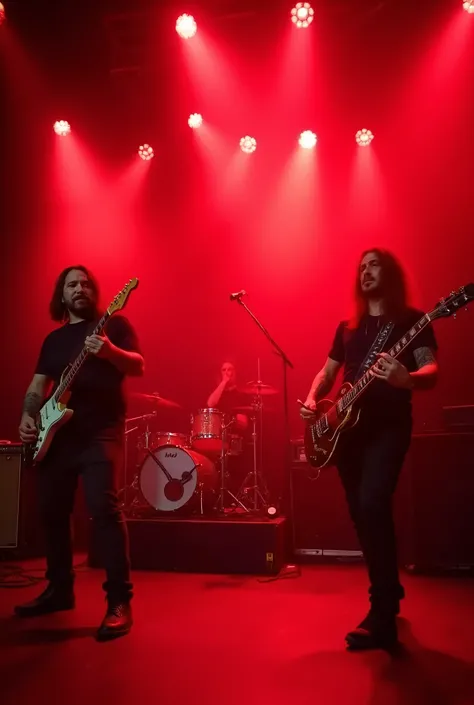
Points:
(188, 474)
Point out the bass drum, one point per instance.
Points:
(173, 477)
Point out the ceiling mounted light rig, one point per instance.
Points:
(364, 137)
(248, 144)
(302, 14)
(186, 26)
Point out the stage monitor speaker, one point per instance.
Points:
(10, 486)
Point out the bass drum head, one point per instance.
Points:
(171, 482)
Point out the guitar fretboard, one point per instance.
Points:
(79, 361)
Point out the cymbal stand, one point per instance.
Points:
(134, 485)
(257, 490)
(223, 490)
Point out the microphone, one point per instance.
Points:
(238, 295)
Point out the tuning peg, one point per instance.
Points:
(455, 314)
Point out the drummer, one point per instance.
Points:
(227, 398)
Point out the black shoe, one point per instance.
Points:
(117, 621)
(376, 631)
(53, 599)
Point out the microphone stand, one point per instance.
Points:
(286, 364)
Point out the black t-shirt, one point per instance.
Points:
(97, 394)
(231, 400)
(350, 347)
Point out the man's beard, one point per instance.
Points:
(83, 308)
(373, 293)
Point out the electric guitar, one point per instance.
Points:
(330, 419)
(54, 412)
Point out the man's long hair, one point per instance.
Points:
(395, 289)
(57, 307)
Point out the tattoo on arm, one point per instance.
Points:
(424, 356)
(32, 404)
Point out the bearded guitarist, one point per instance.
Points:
(90, 444)
(370, 455)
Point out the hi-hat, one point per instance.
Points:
(258, 388)
(156, 400)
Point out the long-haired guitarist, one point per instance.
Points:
(370, 455)
(90, 444)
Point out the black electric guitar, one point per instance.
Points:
(331, 418)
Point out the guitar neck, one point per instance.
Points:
(359, 388)
(79, 361)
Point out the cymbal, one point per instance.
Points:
(258, 388)
(156, 400)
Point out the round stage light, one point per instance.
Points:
(468, 5)
(248, 144)
(307, 140)
(146, 152)
(62, 128)
(195, 120)
(302, 14)
(186, 26)
(364, 137)
(3, 16)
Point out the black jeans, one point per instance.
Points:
(99, 461)
(369, 461)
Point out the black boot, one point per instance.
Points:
(377, 631)
(53, 599)
(117, 621)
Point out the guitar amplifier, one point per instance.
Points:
(11, 456)
(435, 500)
(21, 534)
(433, 507)
(321, 523)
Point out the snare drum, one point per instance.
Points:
(165, 438)
(206, 430)
(170, 479)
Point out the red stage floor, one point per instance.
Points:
(204, 640)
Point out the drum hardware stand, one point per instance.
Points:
(223, 490)
(258, 490)
(134, 485)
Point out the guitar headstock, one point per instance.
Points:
(455, 301)
(121, 299)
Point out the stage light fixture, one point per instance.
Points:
(302, 14)
(307, 140)
(468, 5)
(248, 144)
(146, 152)
(186, 26)
(3, 16)
(195, 120)
(364, 137)
(62, 128)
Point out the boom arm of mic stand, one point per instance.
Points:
(278, 350)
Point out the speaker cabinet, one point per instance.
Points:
(436, 502)
(321, 521)
(10, 486)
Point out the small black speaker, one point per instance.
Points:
(10, 486)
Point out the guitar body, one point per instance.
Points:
(52, 416)
(321, 440)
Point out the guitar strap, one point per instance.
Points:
(375, 349)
